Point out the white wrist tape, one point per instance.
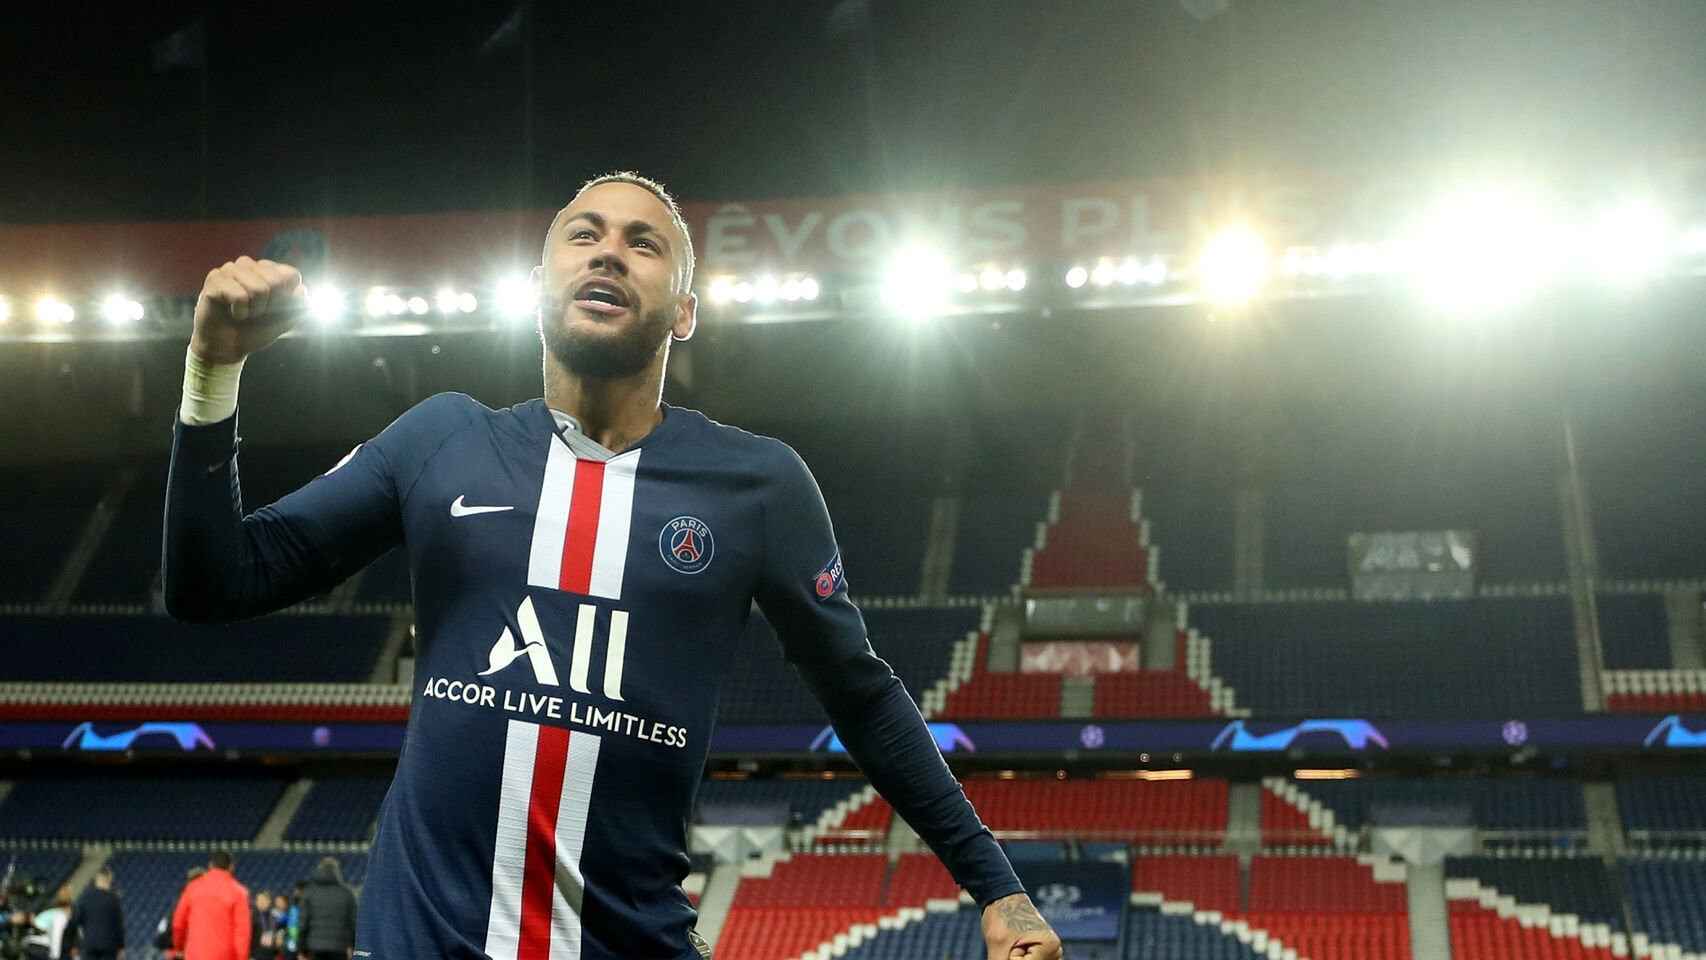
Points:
(210, 390)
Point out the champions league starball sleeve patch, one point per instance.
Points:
(830, 579)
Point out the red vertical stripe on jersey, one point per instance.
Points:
(539, 871)
(582, 534)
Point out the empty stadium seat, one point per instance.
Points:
(1132, 810)
(338, 808)
(1206, 882)
(1667, 900)
(1447, 659)
(115, 807)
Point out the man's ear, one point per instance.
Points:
(686, 318)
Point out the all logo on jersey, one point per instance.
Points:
(505, 651)
(686, 544)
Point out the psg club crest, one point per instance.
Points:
(686, 544)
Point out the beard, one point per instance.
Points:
(602, 354)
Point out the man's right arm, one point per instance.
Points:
(218, 564)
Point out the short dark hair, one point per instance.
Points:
(331, 863)
(219, 859)
(657, 190)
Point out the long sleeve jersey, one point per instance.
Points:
(575, 613)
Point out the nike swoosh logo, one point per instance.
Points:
(458, 510)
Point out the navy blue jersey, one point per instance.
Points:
(575, 616)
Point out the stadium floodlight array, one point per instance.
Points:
(764, 289)
(119, 310)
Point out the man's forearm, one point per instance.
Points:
(890, 741)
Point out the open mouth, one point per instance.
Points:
(601, 296)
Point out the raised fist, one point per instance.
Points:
(245, 305)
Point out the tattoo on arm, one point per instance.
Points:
(1020, 916)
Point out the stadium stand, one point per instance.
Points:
(1654, 691)
(787, 906)
(1652, 807)
(766, 688)
(1331, 908)
(993, 532)
(1483, 933)
(917, 642)
(1418, 659)
(1574, 885)
(126, 565)
(338, 808)
(805, 800)
(915, 933)
(1151, 933)
(919, 877)
(1090, 540)
(1511, 804)
(43, 510)
(150, 882)
(142, 648)
(1377, 483)
(1143, 811)
(1632, 631)
(1667, 900)
(47, 869)
(112, 807)
(1205, 882)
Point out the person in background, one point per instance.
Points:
(293, 922)
(328, 914)
(48, 939)
(212, 918)
(99, 920)
(280, 916)
(261, 928)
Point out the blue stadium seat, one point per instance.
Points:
(47, 869)
(1667, 900)
(127, 562)
(111, 807)
(1448, 659)
(1581, 886)
(939, 936)
(1150, 933)
(992, 535)
(917, 642)
(42, 510)
(1633, 631)
(143, 648)
(1662, 804)
(339, 808)
(806, 799)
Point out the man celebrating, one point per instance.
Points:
(582, 564)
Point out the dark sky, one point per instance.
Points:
(341, 108)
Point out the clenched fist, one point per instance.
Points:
(245, 305)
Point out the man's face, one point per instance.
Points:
(608, 300)
(280, 904)
(261, 901)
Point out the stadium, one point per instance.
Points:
(1288, 558)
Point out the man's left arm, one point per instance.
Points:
(803, 593)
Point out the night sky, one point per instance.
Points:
(316, 108)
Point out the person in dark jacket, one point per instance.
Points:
(99, 920)
(328, 915)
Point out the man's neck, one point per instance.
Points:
(617, 412)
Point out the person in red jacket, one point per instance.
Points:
(212, 918)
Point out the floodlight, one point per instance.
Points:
(808, 288)
(51, 309)
(1233, 266)
(1077, 277)
(1485, 249)
(1016, 279)
(326, 303)
(119, 310)
(1630, 244)
(514, 295)
(917, 282)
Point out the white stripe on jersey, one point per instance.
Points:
(616, 509)
(509, 849)
(551, 521)
(567, 895)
